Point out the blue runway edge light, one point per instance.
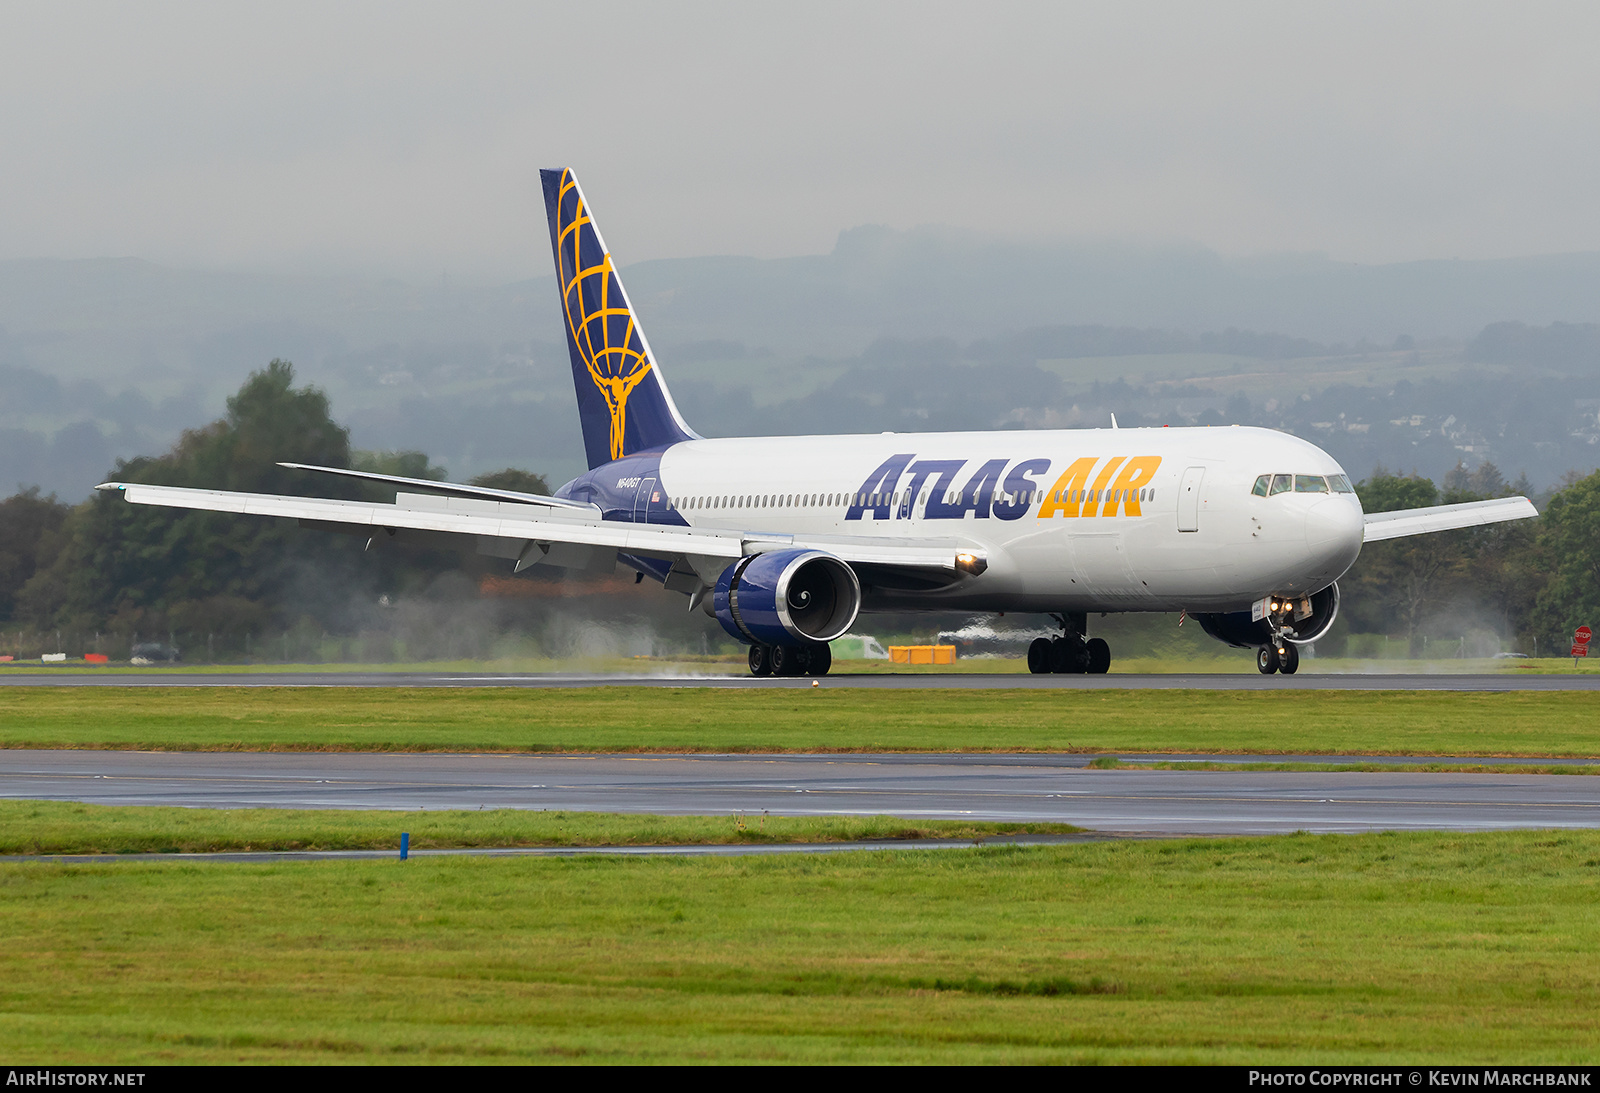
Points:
(405, 845)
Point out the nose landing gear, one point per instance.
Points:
(1280, 654)
(1284, 658)
(1069, 654)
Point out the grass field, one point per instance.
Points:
(66, 827)
(821, 719)
(1412, 947)
(1356, 949)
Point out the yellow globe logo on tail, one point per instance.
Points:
(599, 320)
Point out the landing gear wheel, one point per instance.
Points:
(760, 661)
(821, 660)
(1061, 659)
(1099, 656)
(1266, 660)
(1039, 656)
(787, 660)
(1078, 655)
(1289, 660)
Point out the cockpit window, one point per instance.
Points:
(1270, 485)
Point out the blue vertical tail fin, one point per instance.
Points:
(623, 402)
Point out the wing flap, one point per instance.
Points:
(1397, 525)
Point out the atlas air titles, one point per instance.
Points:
(1089, 486)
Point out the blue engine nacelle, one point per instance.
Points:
(1237, 627)
(787, 597)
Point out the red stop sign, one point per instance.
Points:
(1583, 635)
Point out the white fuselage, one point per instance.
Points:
(1088, 520)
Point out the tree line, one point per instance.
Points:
(1529, 582)
(126, 573)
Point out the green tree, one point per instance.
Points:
(140, 569)
(1569, 550)
(1395, 583)
(515, 480)
(406, 464)
(1462, 484)
(1402, 583)
(1385, 492)
(134, 563)
(30, 526)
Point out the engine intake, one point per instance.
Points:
(787, 597)
(1240, 628)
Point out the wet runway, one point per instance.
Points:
(1306, 681)
(978, 787)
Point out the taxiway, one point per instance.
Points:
(975, 787)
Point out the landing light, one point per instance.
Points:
(971, 563)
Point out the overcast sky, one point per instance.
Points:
(406, 139)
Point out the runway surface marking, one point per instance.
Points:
(1008, 788)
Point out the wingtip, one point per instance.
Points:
(109, 486)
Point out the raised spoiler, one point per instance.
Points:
(486, 492)
(531, 525)
(1397, 525)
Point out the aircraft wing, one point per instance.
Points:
(527, 532)
(1396, 525)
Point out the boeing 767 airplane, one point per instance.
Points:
(785, 540)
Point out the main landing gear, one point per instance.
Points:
(1283, 658)
(1069, 653)
(791, 660)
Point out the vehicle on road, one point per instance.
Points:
(149, 653)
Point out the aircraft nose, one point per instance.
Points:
(1334, 526)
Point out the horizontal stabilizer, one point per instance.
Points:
(1397, 525)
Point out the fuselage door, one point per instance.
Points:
(1189, 499)
(645, 500)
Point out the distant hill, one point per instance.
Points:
(929, 282)
(113, 357)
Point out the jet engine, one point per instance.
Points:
(787, 597)
(1303, 620)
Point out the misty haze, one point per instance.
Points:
(1416, 366)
